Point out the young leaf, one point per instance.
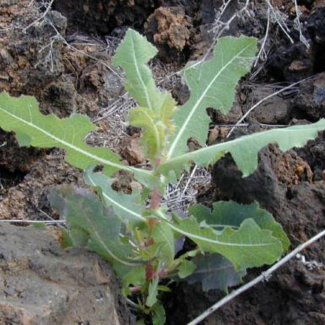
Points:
(135, 277)
(32, 128)
(159, 314)
(153, 292)
(215, 272)
(211, 84)
(249, 246)
(232, 214)
(132, 55)
(153, 138)
(156, 108)
(244, 150)
(186, 268)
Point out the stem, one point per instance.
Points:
(155, 200)
(264, 276)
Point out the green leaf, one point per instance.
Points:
(186, 268)
(164, 288)
(91, 224)
(128, 207)
(249, 246)
(163, 236)
(66, 239)
(215, 272)
(159, 314)
(132, 55)
(32, 128)
(39, 225)
(22, 116)
(152, 292)
(244, 150)
(140, 322)
(156, 108)
(135, 277)
(232, 214)
(153, 138)
(212, 84)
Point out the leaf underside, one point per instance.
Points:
(215, 272)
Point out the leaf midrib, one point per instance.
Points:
(69, 145)
(135, 63)
(137, 215)
(184, 126)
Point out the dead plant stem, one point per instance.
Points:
(48, 7)
(33, 221)
(260, 102)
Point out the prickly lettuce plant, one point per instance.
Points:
(136, 232)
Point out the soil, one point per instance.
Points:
(64, 59)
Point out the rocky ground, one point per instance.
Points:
(63, 57)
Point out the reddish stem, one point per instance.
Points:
(155, 199)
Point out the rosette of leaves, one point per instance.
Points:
(137, 237)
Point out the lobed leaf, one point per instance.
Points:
(129, 209)
(244, 150)
(136, 277)
(186, 268)
(232, 214)
(248, 246)
(157, 107)
(132, 55)
(159, 314)
(211, 84)
(22, 116)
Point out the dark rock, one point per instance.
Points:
(181, 93)
(275, 110)
(32, 58)
(280, 62)
(59, 98)
(28, 197)
(316, 25)
(102, 16)
(310, 100)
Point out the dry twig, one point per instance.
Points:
(263, 277)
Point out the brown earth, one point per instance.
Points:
(59, 61)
